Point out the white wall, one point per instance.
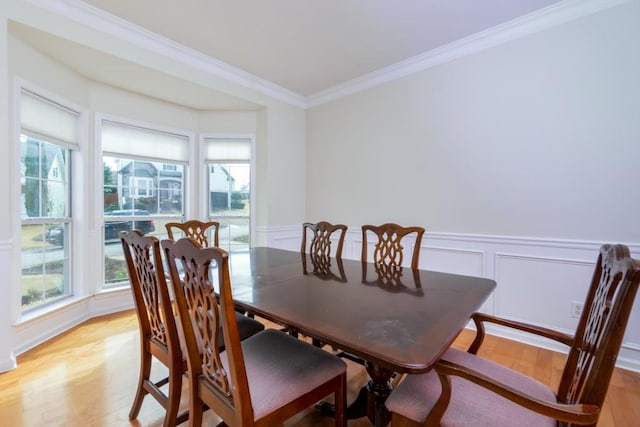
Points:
(537, 137)
(519, 160)
(227, 122)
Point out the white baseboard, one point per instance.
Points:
(38, 330)
(8, 363)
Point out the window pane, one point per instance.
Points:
(46, 226)
(229, 189)
(155, 187)
(31, 158)
(234, 233)
(56, 205)
(115, 268)
(44, 177)
(114, 222)
(138, 194)
(45, 263)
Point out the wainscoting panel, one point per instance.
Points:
(449, 260)
(457, 261)
(527, 283)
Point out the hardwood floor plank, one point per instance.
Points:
(87, 377)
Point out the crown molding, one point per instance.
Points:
(119, 28)
(557, 14)
(540, 20)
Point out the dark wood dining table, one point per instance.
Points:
(397, 320)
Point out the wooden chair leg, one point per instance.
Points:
(196, 407)
(141, 392)
(340, 403)
(173, 401)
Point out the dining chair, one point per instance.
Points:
(260, 381)
(195, 229)
(389, 251)
(465, 389)
(318, 249)
(320, 243)
(160, 334)
(159, 337)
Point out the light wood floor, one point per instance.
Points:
(87, 376)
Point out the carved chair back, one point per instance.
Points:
(150, 292)
(600, 332)
(389, 252)
(320, 244)
(196, 230)
(201, 313)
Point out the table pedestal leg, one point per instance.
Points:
(370, 400)
(378, 390)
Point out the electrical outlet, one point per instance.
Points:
(576, 308)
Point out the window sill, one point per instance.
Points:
(49, 309)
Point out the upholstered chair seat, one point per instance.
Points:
(415, 396)
(306, 368)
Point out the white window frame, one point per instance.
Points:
(100, 153)
(205, 168)
(77, 178)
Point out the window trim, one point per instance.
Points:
(203, 170)
(77, 157)
(99, 179)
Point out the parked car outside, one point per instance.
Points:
(55, 234)
(112, 229)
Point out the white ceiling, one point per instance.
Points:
(308, 47)
(298, 51)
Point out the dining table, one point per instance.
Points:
(396, 320)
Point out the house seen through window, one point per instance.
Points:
(143, 188)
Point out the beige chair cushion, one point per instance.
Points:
(276, 361)
(471, 405)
